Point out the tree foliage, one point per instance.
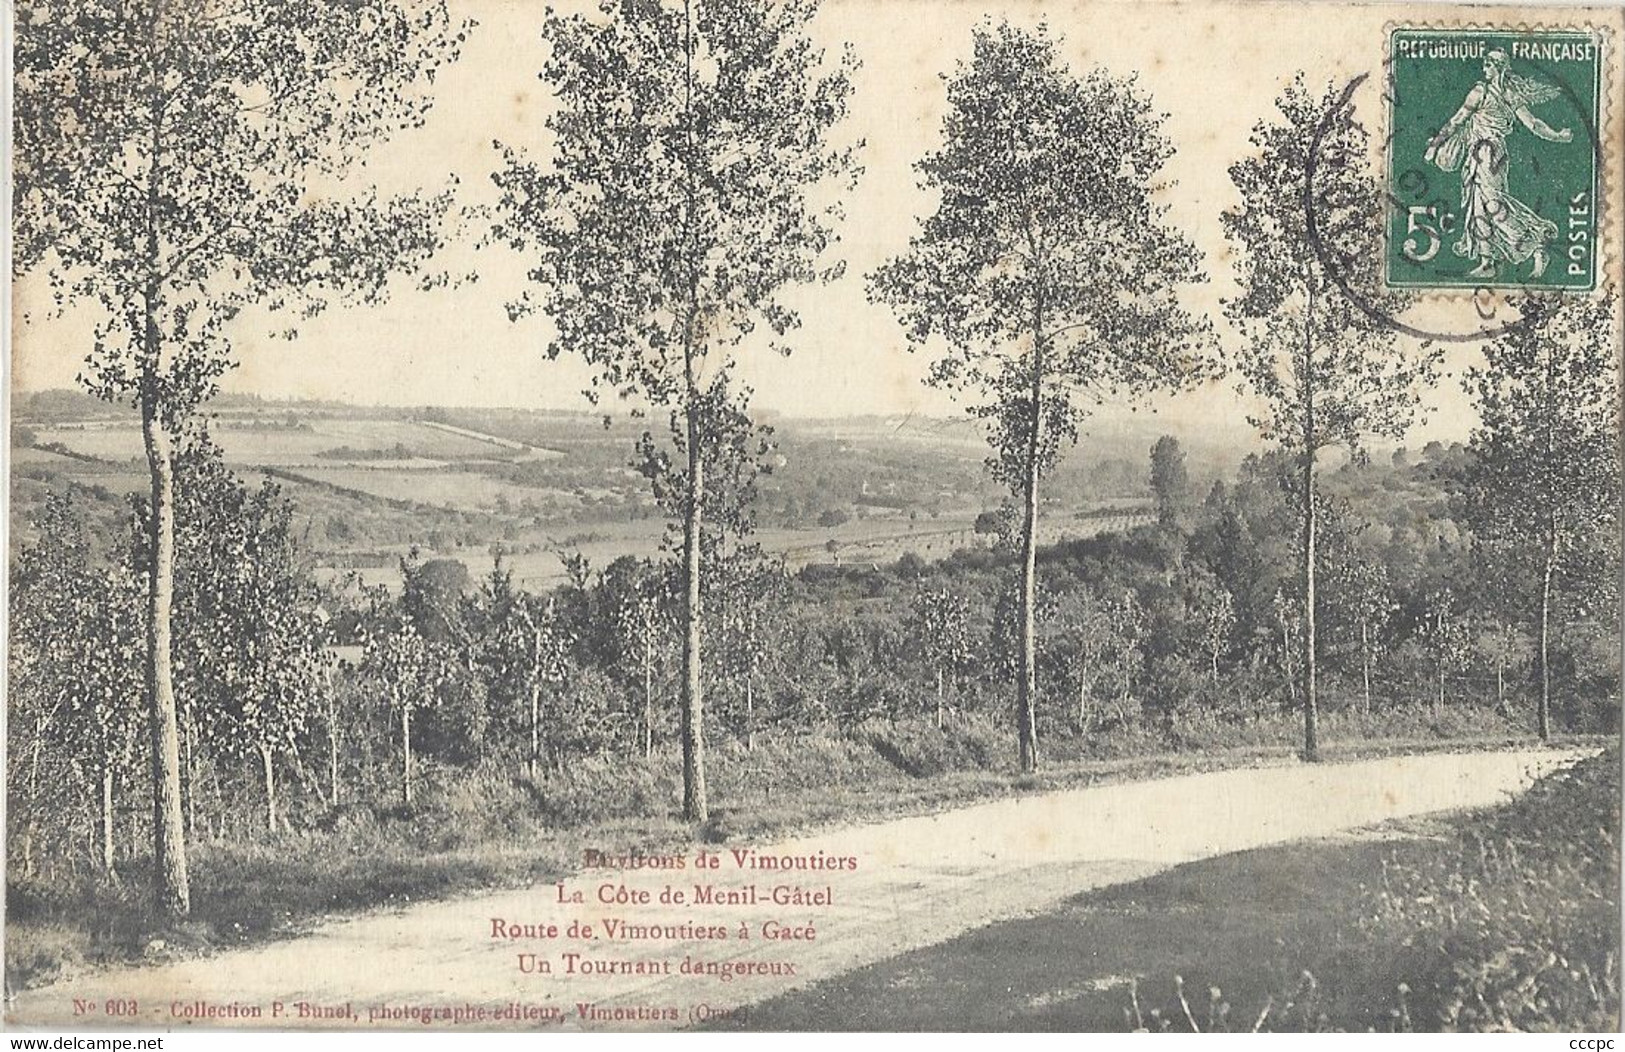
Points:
(76, 633)
(1049, 260)
(1048, 275)
(1170, 484)
(672, 215)
(1542, 490)
(1323, 367)
(175, 164)
(172, 160)
(252, 642)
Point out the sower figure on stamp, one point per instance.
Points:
(1496, 225)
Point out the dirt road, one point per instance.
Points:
(510, 960)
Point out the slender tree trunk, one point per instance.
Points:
(1365, 663)
(694, 798)
(33, 799)
(750, 710)
(939, 697)
(333, 745)
(269, 768)
(1500, 687)
(107, 820)
(1438, 700)
(172, 888)
(406, 752)
(534, 762)
(535, 727)
(1543, 714)
(1083, 697)
(695, 805)
(1027, 684)
(1290, 673)
(1311, 712)
(648, 703)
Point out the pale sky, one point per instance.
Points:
(1214, 68)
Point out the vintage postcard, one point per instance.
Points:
(783, 515)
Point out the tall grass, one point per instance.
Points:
(1510, 923)
(1516, 925)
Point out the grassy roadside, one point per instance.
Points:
(490, 830)
(1500, 919)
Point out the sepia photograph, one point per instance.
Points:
(813, 515)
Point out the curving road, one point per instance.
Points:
(478, 961)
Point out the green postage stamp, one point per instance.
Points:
(1493, 158)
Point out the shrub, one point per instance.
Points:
(920, 749)
(1517, 927)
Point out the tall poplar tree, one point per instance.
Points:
(1047, 275)
(1543, 486)
(250, 636)
(169, 159)
(672, 213)
(76, 633)
(1171, 485)
(1325, 371)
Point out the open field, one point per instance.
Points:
(447, 489)
(371, 484)
(877, 540)
(269, 442)
(509, 444)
